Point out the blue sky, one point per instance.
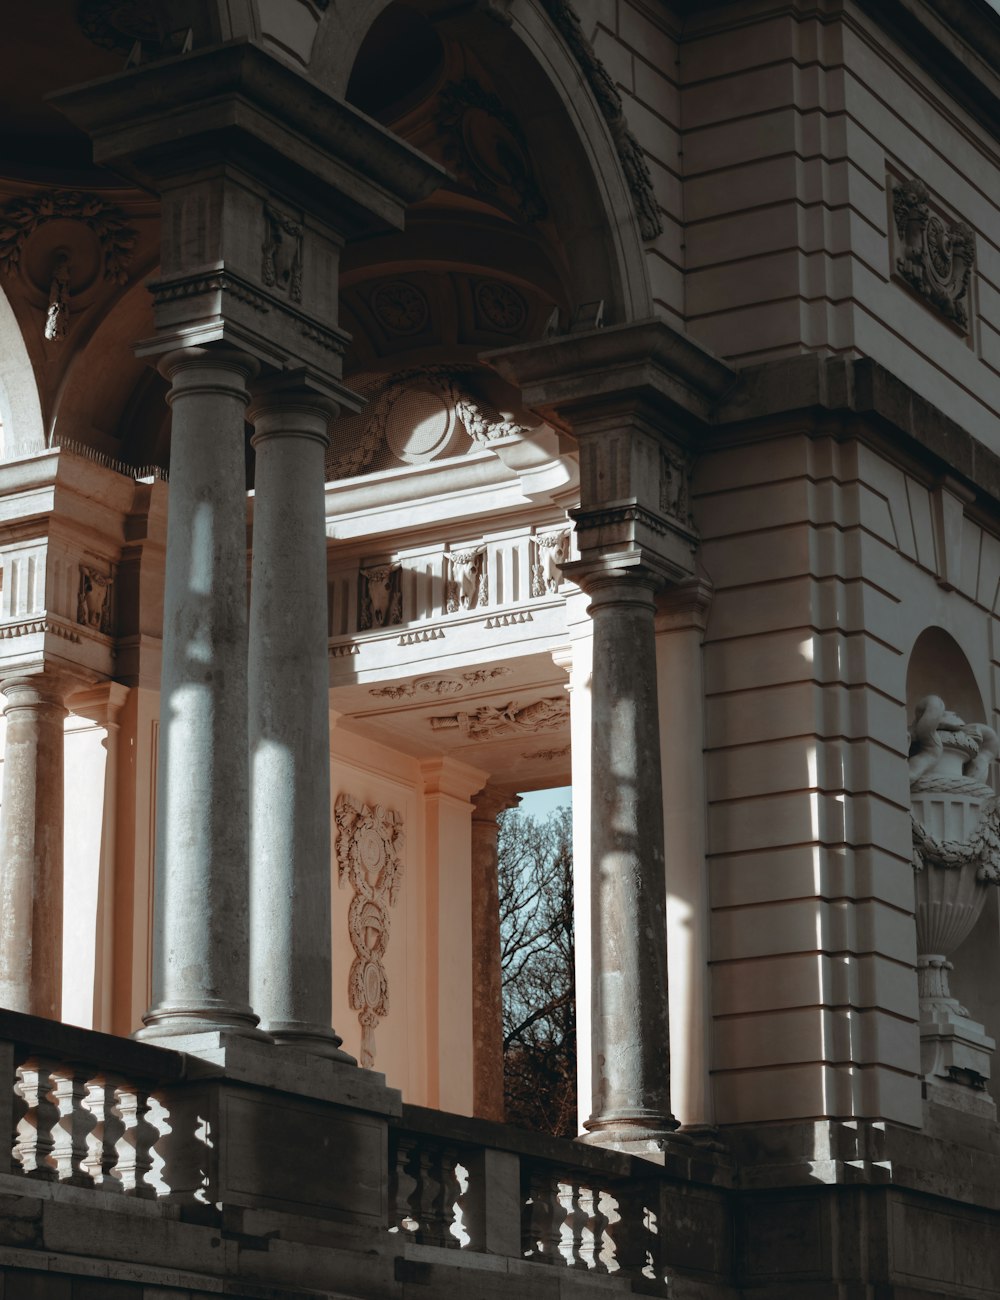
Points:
(539, 803)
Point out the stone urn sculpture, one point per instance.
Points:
(956, 860)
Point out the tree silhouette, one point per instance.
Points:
(537, 953)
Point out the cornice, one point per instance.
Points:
(646, 360)
(857, 398)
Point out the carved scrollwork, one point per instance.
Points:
(20, 218)
(369, 848)
(281, 252)
(439, 685)
(936, 258)
(490, 722)
(486, 144)
(630, 155)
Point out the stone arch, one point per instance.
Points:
(591, 175)
(20, 406)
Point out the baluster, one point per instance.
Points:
(581, 1209)
(436, 1198)
(545, 1219)
(634, 1233)
(33, 1148)
(102, 1143)
(72, 1130)
(135, 1145)
(605, 1251)
(402, 1186)
(451, 1197)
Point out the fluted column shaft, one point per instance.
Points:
(291, 979)
(201, 927)
(31, 847)
(630, 1028)
(487, 1004)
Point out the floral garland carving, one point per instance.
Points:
(20, 218)
(633, 161)
(982, 847)
(369, 845)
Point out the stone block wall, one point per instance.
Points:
(774, 141)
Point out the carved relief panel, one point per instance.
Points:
(380, 599)
(469, 584)
(369, 848)
(933, 255)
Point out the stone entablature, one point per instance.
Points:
(62, 532)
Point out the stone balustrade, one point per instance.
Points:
(465, 1184)
(99, 1114)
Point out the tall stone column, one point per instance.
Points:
(290, 964)
(487, 1006)
(31, 846)
(200, 941)
(630, 1033)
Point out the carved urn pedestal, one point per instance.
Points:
(952, 876)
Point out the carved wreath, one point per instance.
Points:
(20, 218)
(369, 845)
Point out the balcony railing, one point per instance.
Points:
(93, 1111)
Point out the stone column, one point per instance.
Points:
(201, 927)
(290, 864)
(630, 1028)
(31, 846)
(487, 1007)
(680, 628)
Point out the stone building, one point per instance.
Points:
(409, 404)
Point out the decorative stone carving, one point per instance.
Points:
(20, 218)
(437, 397)
(439, 685)
(956, 857)
(281, 267)
(935, 257)
(369, 848)
(509, 620)
(93, 598)
(630, 155)
(118, 24)
(548, 755)
(491, 723)
(57, 315)
(478, 676)
(486, 144)
(469, 585)
(425, 634)
(674, 480)
(500, 306)
(400, 307)
(551, 553)
(381, 597)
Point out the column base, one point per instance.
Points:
(167, 1022)
(637, 1131)
(314, 1039)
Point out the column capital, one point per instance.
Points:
(190, 369)
(32, 690)
(617, 578)
(490, 802)
(298, 406)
